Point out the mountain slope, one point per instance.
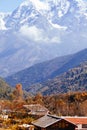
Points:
(76, 59)
(44, 71)
(5, 89)
(41, 30)
(72, 80)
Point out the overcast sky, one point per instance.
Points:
(9, 5)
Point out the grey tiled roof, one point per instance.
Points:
(46, 121)
(36, 109)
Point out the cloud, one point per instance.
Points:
(37, 35)
(31, 32)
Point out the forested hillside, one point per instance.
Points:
(69, 104)
(5, 89)
(73, 80)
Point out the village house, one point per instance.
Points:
(36, 109)
(49, 122)
(81, 122)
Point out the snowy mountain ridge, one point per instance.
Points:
(53, 10)
(62, 6)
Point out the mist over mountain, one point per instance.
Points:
(39, 30)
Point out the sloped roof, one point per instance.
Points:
(77, 120)
(35, 107)
(47, 120)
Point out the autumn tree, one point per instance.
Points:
(38, 98)
(18, 92)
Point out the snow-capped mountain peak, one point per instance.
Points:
(53, 10)
(39, 30)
